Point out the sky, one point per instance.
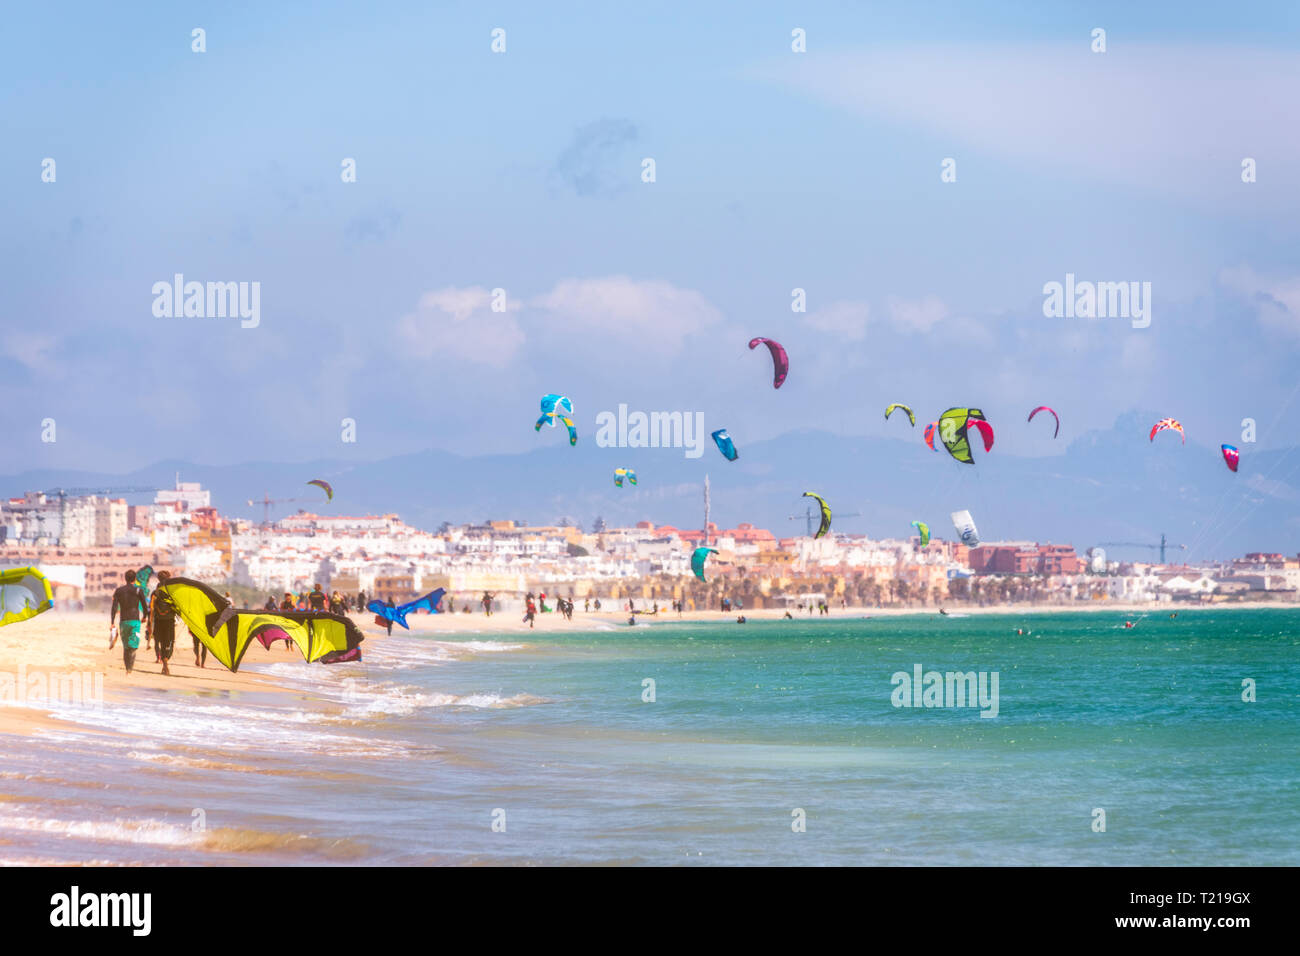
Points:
(522, 171)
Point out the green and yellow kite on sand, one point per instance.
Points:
(24, 593)
(227, 631)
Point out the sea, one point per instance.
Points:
(793, 742)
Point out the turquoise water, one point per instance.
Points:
(422, 743)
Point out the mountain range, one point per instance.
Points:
(1105, 486)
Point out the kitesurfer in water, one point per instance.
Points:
(129, 600)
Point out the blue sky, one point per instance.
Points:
(521, 171)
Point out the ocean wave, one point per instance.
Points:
(227, 727)
(402, 701)
(159, 833)
(144, 832)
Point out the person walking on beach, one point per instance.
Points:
(530, 611)
(287, 605)
(128, 601)
(487, 602)
(162, 624)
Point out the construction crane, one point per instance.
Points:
(266, 501)
(811, 516)
(63, 494)
(1154, 547)
(79, 492)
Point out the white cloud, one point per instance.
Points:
(919, 315)
(1278, 299)
(654, 315)
(845, 319)
(1177, 119)
(32, 349)
(459, 323)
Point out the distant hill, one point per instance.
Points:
(1111, 485)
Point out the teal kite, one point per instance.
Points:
(698, 558)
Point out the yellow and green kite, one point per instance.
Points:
(24, 593)
(227, 632)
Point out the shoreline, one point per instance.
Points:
(510, 622)
(63, 654)
(55, 648)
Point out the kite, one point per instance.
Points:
(1231, 456)
(924, 530)
(953, 425)
(621, 473)
(965, 525)
(930, 429)
(1044, 408)
(227, 631)
(826, 513)
(780, 361)
(24, 593)
(142, 578)
(911, 416)
(398, 614)
(698, 558)
(573, 430)
(1167, 423)
(553, 407)
(324, 486)
(725, 444)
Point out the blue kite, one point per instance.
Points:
(725, 444)
(398, 614)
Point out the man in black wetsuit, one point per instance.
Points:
(162, 624)
(128, 601)
(316, 600)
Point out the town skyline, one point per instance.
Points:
(1109, 485)
(84, 543)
